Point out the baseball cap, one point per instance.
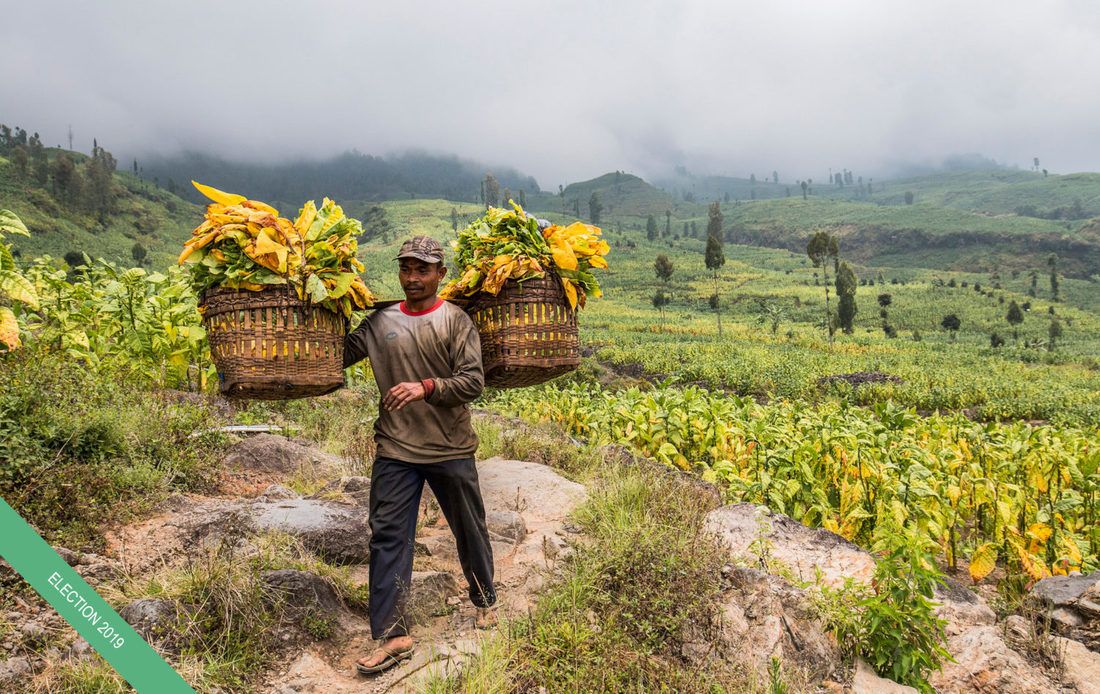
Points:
(422, 248)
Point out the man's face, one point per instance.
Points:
(420, 280)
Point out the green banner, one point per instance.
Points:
(84, 609)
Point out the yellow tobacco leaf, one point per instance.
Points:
(597, 261)
(266, 244)
(220, 197)
(1039, 531)
(1035, 569)
(570, 292)
(1072, 552)
(305, 217)
(983, 561)
(564, 257)
(264, 207)
(9, 329)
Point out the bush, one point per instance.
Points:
(78, 450)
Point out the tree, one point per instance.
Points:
(803, 184)
(995, 341)
(99, 172)
(454, 219)
(951, 323)
(660, 300)
(775, 177)
(138, 252)
(63, 171)
(846, 285)
(1035, 161)
(714, 257)
(884, 301)
(1054, 332)
(594, 207)
(1052, 263)
(1014, 317)
(908, 197)
(651, 228)
(490, 190)
(21, 159)
(820, 249)
(663, 268)
(668, 223)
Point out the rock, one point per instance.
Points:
(961, 607)
(301, 592)
(1082, 666)
(984, 664)
(33, 632)
(156, 620)
(506, 526)
(428, 594)
(351, 490)
(1065, 591)
(535, 491)
(867, 681)
(277, 492)
(13, 670)
(71, 558)
(338, 532)
(273, 453)
(79, 650)
(764, 616)
(749, 530)
(1074, 604)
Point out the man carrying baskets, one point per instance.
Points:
(426, 358)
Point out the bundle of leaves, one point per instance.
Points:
(508, 244)
(245, 244)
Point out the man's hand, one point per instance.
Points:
(402, 394)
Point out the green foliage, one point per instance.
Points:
(894, 626)
(80, 449)
(846, 284)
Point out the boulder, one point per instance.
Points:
(156, 620)
(427, 595)
(764, 616)
(338, 532)
(1082, 666)
(506, 526)
(867, 681)
(277, 492)
(984, 664)
(535, 491)
(277, 454)
(352, 490)
(1074, 604)
(779, 543)
(300, 592)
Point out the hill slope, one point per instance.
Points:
(143, 214)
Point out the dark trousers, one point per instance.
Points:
(394, 504)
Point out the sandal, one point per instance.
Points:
(392, 658)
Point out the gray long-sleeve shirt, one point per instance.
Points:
(440, 344)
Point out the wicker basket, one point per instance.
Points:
(528, 333)
(270, 345)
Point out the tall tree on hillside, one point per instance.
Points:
(846, 285)
(506, 197)
(1033, 290)
(62, 171)
(714, 257)
(662, 267)
(491, 188)
(1014, 317)
(1054, 332)
(951, 323)
(668, 224)
(775, 177)
(694, 231)
(100, 184)
(594, 208)
(454, 219)
(651, 228)
(884, 301)
(138, 253)
(823, 247)
(376, 225)
(1052, 263)
(804, 186)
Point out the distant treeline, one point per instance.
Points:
(349, 176)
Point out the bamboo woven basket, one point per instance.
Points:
(271, 345)
(528, 333)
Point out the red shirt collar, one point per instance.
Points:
(407, 312)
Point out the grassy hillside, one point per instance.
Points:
(145, 214)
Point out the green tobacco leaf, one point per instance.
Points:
(18, 287)
(11, 224)
(316, 289)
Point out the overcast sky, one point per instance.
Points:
(567, 90)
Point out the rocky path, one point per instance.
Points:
(526, 508)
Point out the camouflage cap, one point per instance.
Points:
(422, 248)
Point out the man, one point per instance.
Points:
(426, 358)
